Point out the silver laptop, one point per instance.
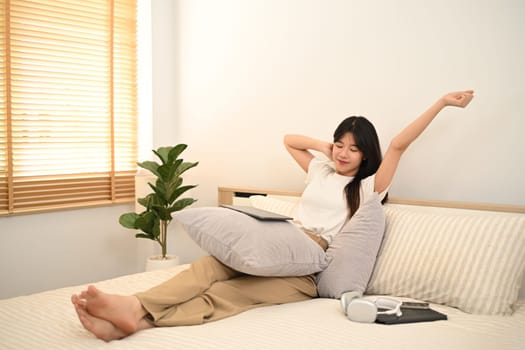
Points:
(257, 213)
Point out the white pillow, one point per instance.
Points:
(255, 247)
(472, 261)
(353, 251)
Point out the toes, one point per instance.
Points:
(92, 291)
(80, 310)
(77, 301)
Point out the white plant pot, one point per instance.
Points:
(158, 263)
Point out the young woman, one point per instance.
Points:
(208, 290)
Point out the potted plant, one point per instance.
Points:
(163, 201)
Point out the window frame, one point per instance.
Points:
(29, 193)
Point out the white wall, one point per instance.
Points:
(231, 77)
(251, 71)
(46, 251)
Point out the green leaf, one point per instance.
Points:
(159, 192)
(167, 171)
(185, 166)
(175, 168)
(162, 212)
(146, 222)
(156, 229)
(164, 172)
(149, 200)
(163, 153)
(143, 201)
(171, 188)
(181, 204)
(128, 220)
(176, 151)
(177, 192)
(151, 166)
(142, 235)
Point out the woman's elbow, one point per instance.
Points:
(398, 145)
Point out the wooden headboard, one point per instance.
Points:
(227, 194)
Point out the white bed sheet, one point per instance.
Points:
(48, 321)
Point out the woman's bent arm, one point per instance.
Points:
(299, 147)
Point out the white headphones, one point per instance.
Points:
(366, 311)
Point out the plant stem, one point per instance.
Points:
(163, 237)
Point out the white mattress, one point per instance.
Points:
(48, 321)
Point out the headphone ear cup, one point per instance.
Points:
(347, 297)
(360, 310)
(387, 303)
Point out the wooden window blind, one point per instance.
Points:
(68, 110)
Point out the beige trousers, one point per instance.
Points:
(209, 290)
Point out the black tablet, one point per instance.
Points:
(257, 213)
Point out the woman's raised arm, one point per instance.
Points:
(299, 147)
(400, 143)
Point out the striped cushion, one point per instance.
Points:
(466, 259)
(274, 205)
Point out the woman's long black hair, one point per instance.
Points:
(367, 141)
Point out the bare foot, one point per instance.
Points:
(77, 301)
(102, 329)
(124, 312)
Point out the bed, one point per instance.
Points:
(47, 320)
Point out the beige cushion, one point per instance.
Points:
(262, 248)
(473, 261)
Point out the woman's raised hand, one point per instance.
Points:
(458, 98)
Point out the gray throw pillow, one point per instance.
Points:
(353, 251)
(255, 247)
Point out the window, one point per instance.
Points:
(68, 109)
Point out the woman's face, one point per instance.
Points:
(346, 155)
